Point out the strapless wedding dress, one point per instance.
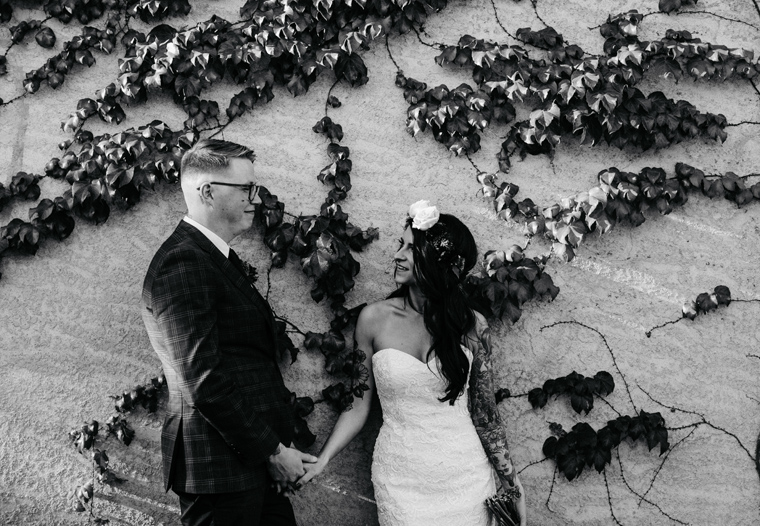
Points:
(429, 467)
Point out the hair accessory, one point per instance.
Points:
(423, 215)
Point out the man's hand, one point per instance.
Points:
(286, 465)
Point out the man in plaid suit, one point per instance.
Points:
(229, 423)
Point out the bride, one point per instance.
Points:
(442, 448)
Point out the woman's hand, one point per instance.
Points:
(312, 470)
(519, 503)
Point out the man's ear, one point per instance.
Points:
(207, 197)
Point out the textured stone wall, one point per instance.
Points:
(71, 334)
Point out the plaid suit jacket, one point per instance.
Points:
(214, 333)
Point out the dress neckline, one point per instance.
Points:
(464, 348)
(406, 353)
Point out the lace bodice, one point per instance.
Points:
(429, 467)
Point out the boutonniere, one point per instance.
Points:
(250, 271)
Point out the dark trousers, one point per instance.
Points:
(243, 508)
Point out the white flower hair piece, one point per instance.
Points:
(423, 215)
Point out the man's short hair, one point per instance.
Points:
(212, 155)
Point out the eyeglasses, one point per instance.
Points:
(253, 188)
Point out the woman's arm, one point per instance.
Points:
(350, 422)
(485, 413)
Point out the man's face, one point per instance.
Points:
(230, 202)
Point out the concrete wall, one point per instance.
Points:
(71, 334)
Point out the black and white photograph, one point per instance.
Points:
(380, 262)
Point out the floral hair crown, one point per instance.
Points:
(424, 217)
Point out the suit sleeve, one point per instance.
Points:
(184, 303)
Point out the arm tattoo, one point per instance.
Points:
(485, 413)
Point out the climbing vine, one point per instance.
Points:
(592, 97)
(583, 446)
(290, 43)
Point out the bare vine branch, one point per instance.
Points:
(703, 421)
(551, 490)
(659, 468)
(436, 45)
(390, 55)
(534, 463)
(609, 499)
(329, 92)
(671, 322)
(757, 7)
(498, 21)
(651, 503)
(535, 11)
(477, 168)
(614, 361)
(742, 123)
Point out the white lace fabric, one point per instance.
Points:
(429, 467)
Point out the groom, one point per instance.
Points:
(229, 424)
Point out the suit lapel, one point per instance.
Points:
(232, 273)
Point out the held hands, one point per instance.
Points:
(312, 470)
(286, 466)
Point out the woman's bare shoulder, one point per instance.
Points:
(379, 311)
(372, 321)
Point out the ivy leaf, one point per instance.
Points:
(538, 398)
(606, 382)
(601, 456)
(333, 343)
(582, 402)
(636, 428)
(333, 101)
(313, 341)
(571, 465)
(502, 394)
(496, 292)
(351, 68)
(297, 85)
(519, 292)
(512, 311)
(45, 37)
(668, 6)
(658, 435)
(707, 302)
(28, 238)
(84, 57)
(335, 395)
(302, 435)
(563, 251)
(545, 286)
(549, 448)
(723, 295)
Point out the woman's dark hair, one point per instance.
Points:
(443, 255)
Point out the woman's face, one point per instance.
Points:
(403, 272)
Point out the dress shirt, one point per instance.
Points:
(218, 242)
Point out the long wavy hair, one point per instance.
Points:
(448, 312)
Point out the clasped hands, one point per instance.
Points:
(287, 466)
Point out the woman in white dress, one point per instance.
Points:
(442, 448)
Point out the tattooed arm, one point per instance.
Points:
(485, 412)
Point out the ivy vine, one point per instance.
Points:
(290, 43)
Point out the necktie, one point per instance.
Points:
(235, 260)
